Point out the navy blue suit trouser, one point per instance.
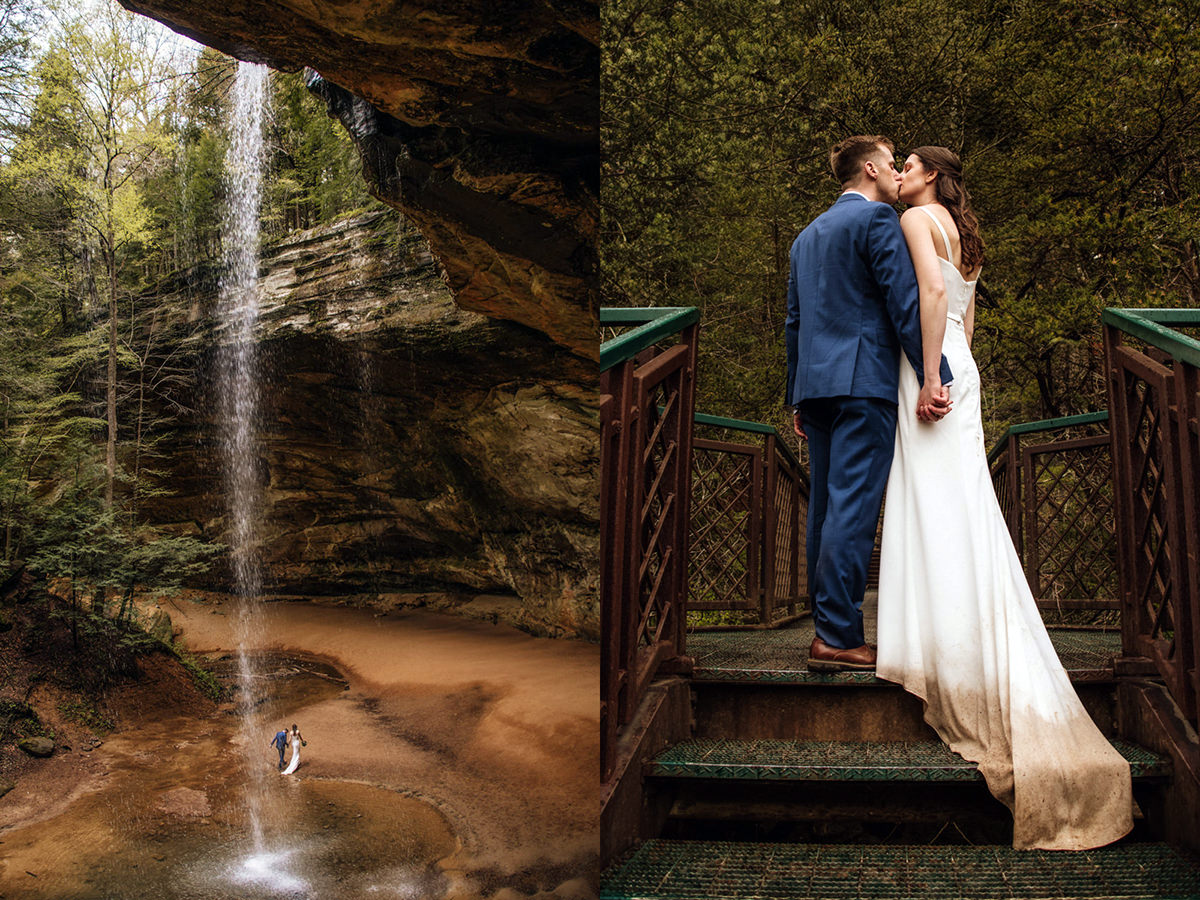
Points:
(851, 441)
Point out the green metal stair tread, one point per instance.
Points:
(781, 656)
(780, 760)
(711, 870)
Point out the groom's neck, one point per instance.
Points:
(868, 189)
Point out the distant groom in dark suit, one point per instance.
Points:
(852, 306)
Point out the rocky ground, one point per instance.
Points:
(69, 700)
(488, 735)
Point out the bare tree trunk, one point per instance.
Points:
(110, 463)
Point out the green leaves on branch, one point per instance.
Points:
(1077, 123)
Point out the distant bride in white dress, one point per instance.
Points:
(958, 626)
(297, 741)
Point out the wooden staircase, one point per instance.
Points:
(794, 784)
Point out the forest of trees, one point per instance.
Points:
(112, 141)
(1078, 123)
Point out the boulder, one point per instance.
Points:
(159, 625)
(37, 746)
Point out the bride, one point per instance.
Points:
(958, 626)
(297, 742)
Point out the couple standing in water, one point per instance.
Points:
(280, 742)
(958, 625)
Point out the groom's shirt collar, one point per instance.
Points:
(859, 193)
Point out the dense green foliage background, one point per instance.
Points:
(112, 142)
(1078, 123)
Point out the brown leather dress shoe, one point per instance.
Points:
(824, 658)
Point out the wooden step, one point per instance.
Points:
(781, 656)
(756, 685)
(774, 760)
(711, 870)
(894, 792)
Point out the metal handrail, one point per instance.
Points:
(736, 424)
(1150, 325)
(753, 428)
(653, 323)
(1091, 418)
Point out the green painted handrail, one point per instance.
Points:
(1091, 418)
(752, 428)
(735, 424)
(654, 324)
(1149, 325)
(1152, 326)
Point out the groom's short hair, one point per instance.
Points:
(846, 158)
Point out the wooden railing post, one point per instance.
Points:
(1154, 432)
(683, 523)
(1014, 491)
(615, 385)
(1188, 403)
(645, 487)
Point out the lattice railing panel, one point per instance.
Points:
(724, 499)
(647, 412)
(660, 457)
(1152, 377)
(1151, 513)
(1001, 479)
(787, 499)
(1072, 544)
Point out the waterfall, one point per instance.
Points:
(238, 409)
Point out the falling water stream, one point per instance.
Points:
(239, 406)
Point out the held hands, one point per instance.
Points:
(934, 401)
(798, 425)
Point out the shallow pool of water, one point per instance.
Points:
(168, 819)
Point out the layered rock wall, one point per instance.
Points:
(411, 449)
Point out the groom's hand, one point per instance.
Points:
(798, 425)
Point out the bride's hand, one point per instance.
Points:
(933, 403)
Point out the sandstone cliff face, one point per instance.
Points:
(409, 447)
(479, 119)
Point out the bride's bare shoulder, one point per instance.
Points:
(915, 222)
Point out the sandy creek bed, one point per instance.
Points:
(455, 760)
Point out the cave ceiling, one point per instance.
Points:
(479, 120)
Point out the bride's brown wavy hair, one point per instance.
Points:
(952, 194)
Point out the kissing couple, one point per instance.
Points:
(958, 625)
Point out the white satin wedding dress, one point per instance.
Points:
(295, 760)
(959, 628)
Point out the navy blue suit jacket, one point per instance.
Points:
(852, 305)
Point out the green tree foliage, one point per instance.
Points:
(314, 172)
(186, 194)
(1077, 123)
(111, 184)
(19, 22)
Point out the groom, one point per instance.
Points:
(852, 306)
(280, 742)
